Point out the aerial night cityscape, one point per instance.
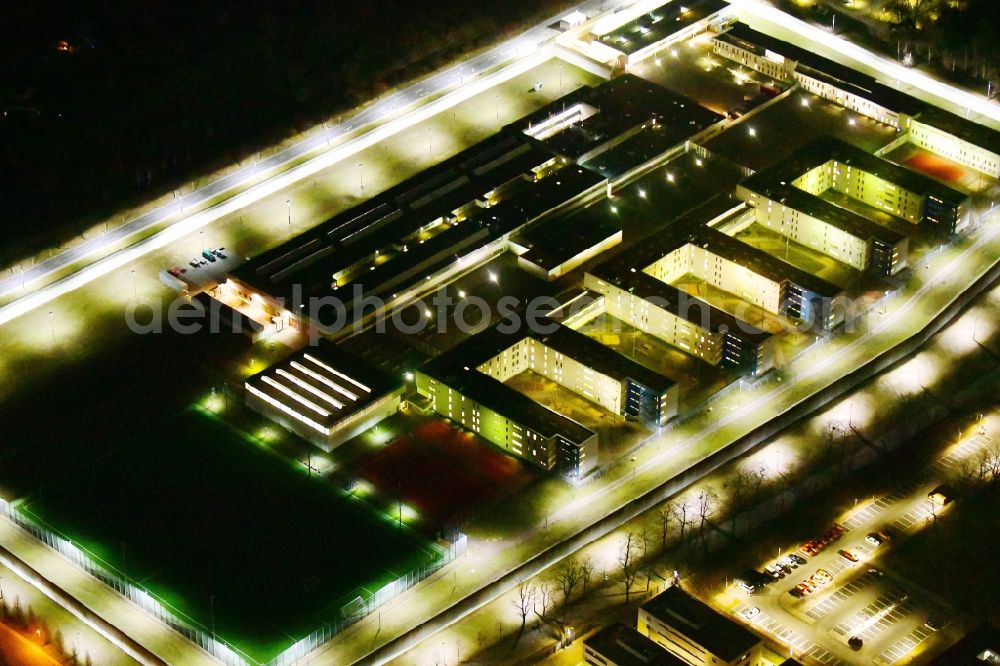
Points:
(614, 332)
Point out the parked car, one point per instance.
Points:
(201, 261)
(750, 613)
(874, 539)
(848, 555)
(798, 559)
(194, 264)
(176, 272)
(824, 575)
(797, 592)
(208, 255)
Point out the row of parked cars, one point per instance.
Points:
(207, 256)
(821, 578)
(752, 580)
(814, 546)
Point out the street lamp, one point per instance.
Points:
(134, 295)
(361, 175)
(52, 325)
(288, 203)
(430, 151)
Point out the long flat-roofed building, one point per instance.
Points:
(837, 232)
(586, 123)
(619, 645)
(695, 633)
(638, 290)
(466, 384)
(821, 76)
(830, 164)
(418, 228)
(654, 31)
(786, 200)
(684, 321)
(555, 246)
(324, 394)
(950, 135)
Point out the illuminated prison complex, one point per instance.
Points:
(464, 210)
(324, 394)
(926, 126)
(466, 385)
(640, 288)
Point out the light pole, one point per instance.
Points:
(52, 325)
(134, 294)
(361, 176)
(430, 151)
(288, 203)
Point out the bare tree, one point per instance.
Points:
(567, 577)
(543, 596)
(664, 516)
(682, 513)
(744, 490)
(989, 465)
(707, 501)
(524, 603)
(586, 571)
(628, 561)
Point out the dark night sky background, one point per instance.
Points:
(151, 92)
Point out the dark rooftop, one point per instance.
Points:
(312, 258)
(601, 359)
(688, 616)
(457, 368)
(812, 205)
(659, 24)
(681, 304)
(624, 646)
(827, 148)
(966, 130)
(761, 262)
(980, 647)
(623, 103)
(691, 227)
(554, 241)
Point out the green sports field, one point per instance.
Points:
(192, 511)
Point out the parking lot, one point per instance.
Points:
(851, 592)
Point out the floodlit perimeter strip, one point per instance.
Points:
(945, 92)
